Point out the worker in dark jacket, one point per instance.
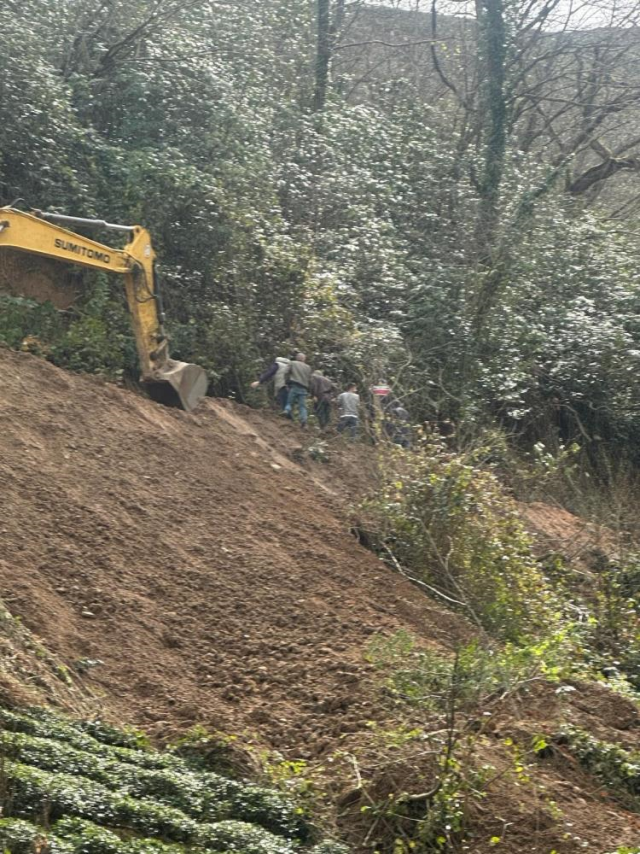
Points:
(299, 378)
(323, 391)
(277, 372)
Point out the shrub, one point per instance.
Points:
(22, 837)
(446, 517)
(616, 767)
(85, 837)
(50, 755)
(74, 836)
(54, 770)
(41, 723)
(24, 320)
(95, 336)
(107, 734)
(66, 795)
(269, 809)
(45, 725)
(429, 679)
(240, 836)
(202, 796)
(32, 790)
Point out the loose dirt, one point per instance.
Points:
(206, 569)
(581, 544)
(208, 564)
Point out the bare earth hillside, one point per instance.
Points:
(189, 553)
(208, 564)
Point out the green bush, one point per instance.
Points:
(45, 725)
(430, 680)
(85, 837)
(202, 796)
(50, 755)
(24, 318)
(74, 836)
(101, 797)
(22, 837)
(614, 766)
(95, 336)
(41, 723)
(63, 794)
(240, 836)
(267, 808)
(153, 819)
(32, 790)
(448, 519)
(107, 734)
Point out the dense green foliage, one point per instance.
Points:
(446, 516)
(352, 232)
(92, 789)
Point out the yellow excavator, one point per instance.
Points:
(165, 380)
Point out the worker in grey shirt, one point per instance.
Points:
(298, 377)
(349, 408)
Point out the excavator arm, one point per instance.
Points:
(166, 380)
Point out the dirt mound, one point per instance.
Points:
(203, 567)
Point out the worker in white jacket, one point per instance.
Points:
(277, 372)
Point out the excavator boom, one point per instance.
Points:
(166, 380)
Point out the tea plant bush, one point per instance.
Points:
(22, 837)
(616, 767)
(202, 796)
(42, 723)
(87, 788)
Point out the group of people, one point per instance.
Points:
(294, 382)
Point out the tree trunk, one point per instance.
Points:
(323, 55)
(493, 54)
(492, 48)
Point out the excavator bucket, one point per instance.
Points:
(177, 384)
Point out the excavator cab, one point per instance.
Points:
(165, 380)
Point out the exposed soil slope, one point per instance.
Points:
(206, 568)
(208, 564)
